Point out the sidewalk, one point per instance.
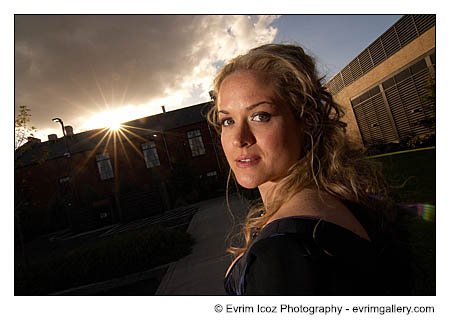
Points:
(202, 272)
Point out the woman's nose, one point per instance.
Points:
(243, 136)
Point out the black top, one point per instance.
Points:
(287, 259)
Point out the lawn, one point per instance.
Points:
(413, 178)
(412, 175)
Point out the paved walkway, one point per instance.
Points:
(202, 272)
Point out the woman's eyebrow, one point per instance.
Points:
(249, 108)
(257, 104)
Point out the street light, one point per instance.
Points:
(58, 120)
(165, 146)
(70, 168)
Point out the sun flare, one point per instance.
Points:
(107, 119)
(114, 125)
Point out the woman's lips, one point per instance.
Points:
(247, 161)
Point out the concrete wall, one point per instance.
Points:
(418, 47)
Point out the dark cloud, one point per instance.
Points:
(70, 66)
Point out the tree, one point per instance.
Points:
(22, 129)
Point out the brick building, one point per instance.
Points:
(385, 90)
(97, 177)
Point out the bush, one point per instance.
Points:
(421, 141)
(105, 259)
(378, 149)
(412, 142)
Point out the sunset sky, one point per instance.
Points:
(91, 70)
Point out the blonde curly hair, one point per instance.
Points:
(330, 160)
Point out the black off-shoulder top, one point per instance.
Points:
(289, 258)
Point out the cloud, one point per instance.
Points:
(76, 66)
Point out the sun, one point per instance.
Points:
(111, 120)
(114, 125)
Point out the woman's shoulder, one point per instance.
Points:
(289, 258)
(310, 235)
(303, 255)
(322, 205)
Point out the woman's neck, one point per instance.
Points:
(264, 190)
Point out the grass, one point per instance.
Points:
(412, 176)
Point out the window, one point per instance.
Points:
(402, 75)
(388, 83)
(150, 154)
(63, 180)
(196, 143)
(104, 166)
(364, 96)
(375, 90)
(418, 66)
(355, 101)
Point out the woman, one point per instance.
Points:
(281, 132)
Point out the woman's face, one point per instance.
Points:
(260, 139)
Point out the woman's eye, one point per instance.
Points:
(260, 117)
(226, 122)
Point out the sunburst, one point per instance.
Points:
(111, 120)
(114, 125)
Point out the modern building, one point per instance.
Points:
(93, 178)
(387, 90)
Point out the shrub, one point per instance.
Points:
(411, 142)
(421, 141)
(105, 259)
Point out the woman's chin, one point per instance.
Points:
(248, 183)
(248, 187)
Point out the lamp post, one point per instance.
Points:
(165, 147)
(67, 154)
(58, 120)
